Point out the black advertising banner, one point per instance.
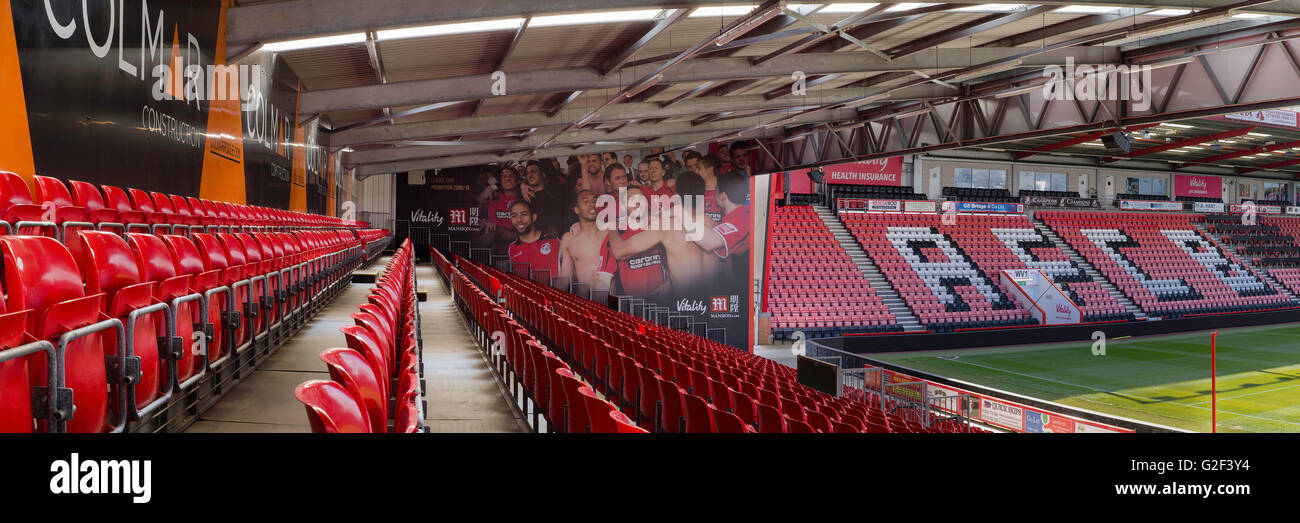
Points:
(136, 93)
(666, 238)
(103, 105)
(268, 111)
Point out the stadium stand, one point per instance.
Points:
(947, 274)
(1164, 264)
(380, 367)
(104, 318)
(1264, 243)
(814, 287)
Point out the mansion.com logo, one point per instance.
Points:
(1106, 82)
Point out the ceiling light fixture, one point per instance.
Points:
(309, 43)
(774, 10)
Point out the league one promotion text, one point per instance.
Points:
(656, 239)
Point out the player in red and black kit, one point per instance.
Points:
(497, 227)
(641, 274)
(708, 168)
(531, 254)
(729, 239)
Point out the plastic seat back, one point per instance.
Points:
(41, 275)
(109, 266)
(331, 408)
(350, 368)
(15, 376)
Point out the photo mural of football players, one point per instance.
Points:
(740, 156)
(642, 274)
(729, 238)
(592, 173)
(580, 248)
(538, 190)
(532, 254)
(707, 168)
(691, 159)
(607, 159)
(723, 152)
(642, 171)
(498, 230)
(688, 266)
(656, 184)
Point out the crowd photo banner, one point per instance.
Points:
(663, 235)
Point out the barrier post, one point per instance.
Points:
(1214, 412)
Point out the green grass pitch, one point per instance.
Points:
(1158, 379)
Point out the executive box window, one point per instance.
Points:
(1277, 192)
(1036, 181)
(1147, 186)
(980, 178)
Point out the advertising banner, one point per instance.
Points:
(1259, 209)
(1291, 209)
(1001, 414)
(1198, 186)
(882, 171)
(660, 244)
(1207, 207)
(1146, 205)
(918, 206)
(1052, 201)
(983, 207)
(1267, 116)
(138, 94)
(884, 205)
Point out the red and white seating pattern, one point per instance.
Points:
(380, 367)
(1290, 278)
(1163, 263)
(947, 273)
(813, 285)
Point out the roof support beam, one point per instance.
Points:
(583, 136)
(1181, 143)
(617, 61)
(701, 70)
(1267, 166)
(1076, 141)
(555, 152)
(1239, 154)
(278, 21)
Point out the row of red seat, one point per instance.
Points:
(51, 206)
(1164, 264)
(534, 375)
(669, 380)
(806, 263)
(109, 321)
(381, 365)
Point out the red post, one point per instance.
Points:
(1214, 422)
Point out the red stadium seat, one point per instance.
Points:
(331, 408)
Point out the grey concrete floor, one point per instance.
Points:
(461, 394)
